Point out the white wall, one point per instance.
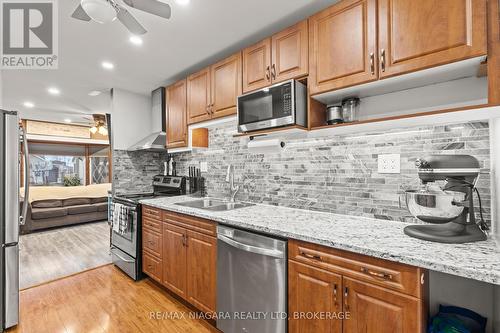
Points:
(130, 118)
(495, 181)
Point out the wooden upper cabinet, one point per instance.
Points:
(312, 290)
(177, 115)
(415, 35)
(377, 310)
(201, 270)
(343, 45)
(174, 259)
(198, 96)
(257, 65)
(226, 85)
(290, 52)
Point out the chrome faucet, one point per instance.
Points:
(230, 179)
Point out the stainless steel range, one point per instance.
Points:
(126, 238)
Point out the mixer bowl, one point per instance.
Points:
(435, 207)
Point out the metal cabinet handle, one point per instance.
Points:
(212, 108)
(274, 72)
(380, 275)
(311, 256)
(382, 60)
(208, 109)
(346, 301)
(372, 63)
(268, 76)
(335, 294)
(184, 241)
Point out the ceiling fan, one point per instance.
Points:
(104, 11)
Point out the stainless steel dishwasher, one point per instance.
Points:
(251, 282)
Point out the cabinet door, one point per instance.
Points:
(343, 45)
(313, 291)
(201, 270)
(415, 35)
(377, 310)
(176, 115)
(257, 66)
(290, 53)
(174, 259)
(198, 96)
(226, 86)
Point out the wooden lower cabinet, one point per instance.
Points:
(333, 284)
(186, 262)
(378, 310)
(313, 291)
(174, 259)
(201, 270)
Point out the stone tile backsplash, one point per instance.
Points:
(134, 171)
(335, 174)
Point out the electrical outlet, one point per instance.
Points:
(389, 163)
(203, 167)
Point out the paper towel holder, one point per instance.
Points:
(253, 137)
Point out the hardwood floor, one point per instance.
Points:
(52, 254)
(103, 300)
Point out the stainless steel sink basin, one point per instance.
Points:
(201, 203)
(214, 205)
(230, 206)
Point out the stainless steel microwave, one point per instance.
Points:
(279, 105)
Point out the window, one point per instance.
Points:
(99, 164)
(68, 165)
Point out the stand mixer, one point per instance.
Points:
(450, 207)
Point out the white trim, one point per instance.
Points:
(36, 137)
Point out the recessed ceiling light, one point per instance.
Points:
(29, 105)
(67, 120)
(54, 91)
(136, 40)
(107, 65)
(94, 93)
(182, 2)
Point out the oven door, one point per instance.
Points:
(266, 108)
(127, 242)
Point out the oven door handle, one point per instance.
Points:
(119, 256)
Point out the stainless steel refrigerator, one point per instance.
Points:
(10, 216)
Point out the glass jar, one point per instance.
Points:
(350, 109)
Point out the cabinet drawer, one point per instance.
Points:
(403, 278)
(152, 213)
(152, 266)
(151, 242)
(193, 223)
(151, 225)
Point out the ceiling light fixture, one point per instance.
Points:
(29, 105)
(107, 65)
(99, 125)
(94, 93)
(99, 10)
(136, 40)
(54, 91)
(67, 120)
(182, 2)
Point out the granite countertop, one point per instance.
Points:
(377, 238)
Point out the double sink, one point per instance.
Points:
(214, 204)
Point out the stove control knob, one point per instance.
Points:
(421, 164)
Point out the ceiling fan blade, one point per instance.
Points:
(80, 14)
(130, 22)
(154, 7)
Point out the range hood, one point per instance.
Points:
(156, 141)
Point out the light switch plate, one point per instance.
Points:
(203, 167)
(389, 163)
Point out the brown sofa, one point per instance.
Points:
(49, 213)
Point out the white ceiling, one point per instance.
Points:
(196, 35)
